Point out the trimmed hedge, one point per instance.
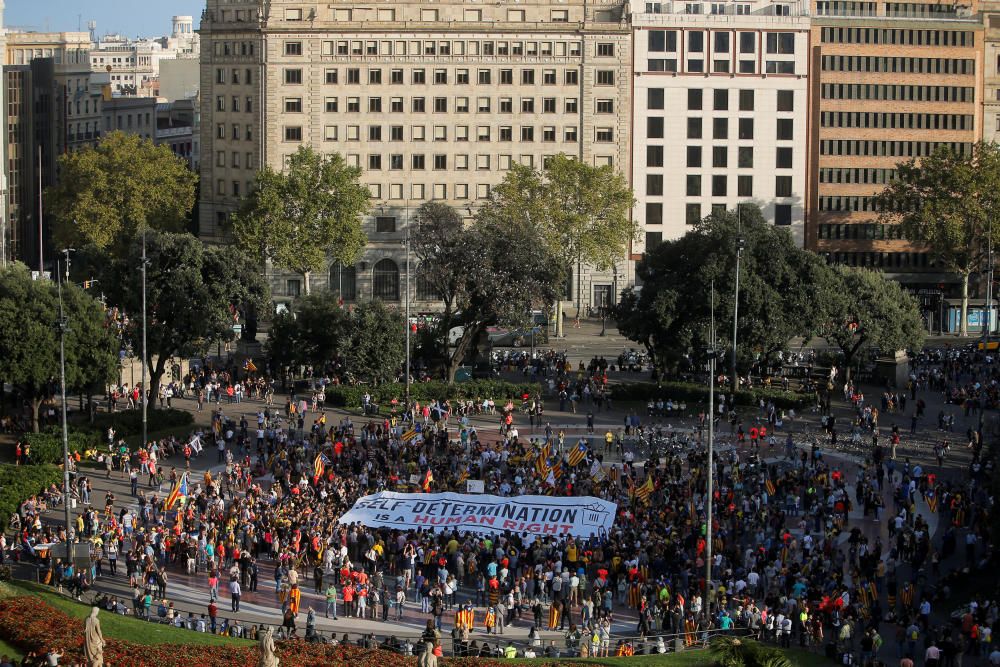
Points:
(18, 483)
(46, 447)
(129, 422)
(341, 396)
(698, 393)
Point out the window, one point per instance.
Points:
(417, 162)
(782, 186)
(746, 128)
(418, 105)
(374, 162)
(654, 156)
(572, 77)
(292, 15)
(331, 76)
(484, 77)
(375, 76)
(549, 77)
(374, 133)
(655, 98)
(747, 42)
(693, 185)
(605, 77)
(293, 287)
(354, 75)
(783, 158)
(654, 185)
(527, 105)
(331, 105)
(653, 239)
(744, 186)
(603, 106)
(527, 133)
(720, 156)
(720, 128)
(375, 105)
(528, 77)
(385, 224)
(353, 105)
(396, 76)
(428, 15)
(330, 133)
(483, 162)
(786, 100)
(293, 105)
(344, 280)
(293, 48)
(746, 100)
(721, 40)
(783, 214)
(692, 214)
(559, 15)
(694, 156)
(744, 157)
(695, 99)
(293, 133)
(663, 41)
(785, 129)
(418, 76)
(440, 162)
(569, 135)
(781, 42)
(515, 15)
(395, 162)
(385, 280)
(654, 127)
(462, 77)
(570, 105)
(605, 50)
(719, 185)
(293, 76)
(720, 100)
(693, 128)
(440, 105)
(696, 41)
(654, 213)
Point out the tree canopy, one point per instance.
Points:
(948, 200)
(195, 294)
(107, 193)
(373, 342)
(862, 310)
(300, 217)
(672, 312)
(29, 338)
(309, 334)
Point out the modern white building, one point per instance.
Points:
(134, 64)
(719, 113)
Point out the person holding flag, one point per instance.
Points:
(578, 454)
(428, 479)
(179, 491)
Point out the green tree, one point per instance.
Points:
(300, 217)
(311, 333)
(862, 308)
(195, 294)
(671, 315)
(439, 246)
(373, 342)
(584, 213)
(108, 193)
(29, 338)
(947, 201)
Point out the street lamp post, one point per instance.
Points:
(406, 245)
(144, 396)
(62, 325)
(711, 442)
(736, 300)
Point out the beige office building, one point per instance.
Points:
(434, 101)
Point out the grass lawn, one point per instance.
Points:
(124, 627)
(10, 651)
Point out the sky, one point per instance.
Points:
(146, 18)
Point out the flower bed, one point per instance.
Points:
(34, 625)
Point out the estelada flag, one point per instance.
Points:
(318, 467)
(577, 455)
(180, 490)
(556, 469)
(644, 491)
(249, 366)
(428, 478)
(541, 465)
(932, 502)
(409, 435)
(769, 486)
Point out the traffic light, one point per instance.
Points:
(86, 284)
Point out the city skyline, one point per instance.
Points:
(112, 16)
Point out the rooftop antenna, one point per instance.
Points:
(92, 27)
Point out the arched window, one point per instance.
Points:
(426, 290)
(385, 280)
(344, 280)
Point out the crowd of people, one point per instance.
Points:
(796, 547)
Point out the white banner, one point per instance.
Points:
(475, 486)
(581, 516)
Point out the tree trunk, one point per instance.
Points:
(468, 336)
(36, 404)
(155, 375)
(559, 318)
(964, 326)
(305, 282)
